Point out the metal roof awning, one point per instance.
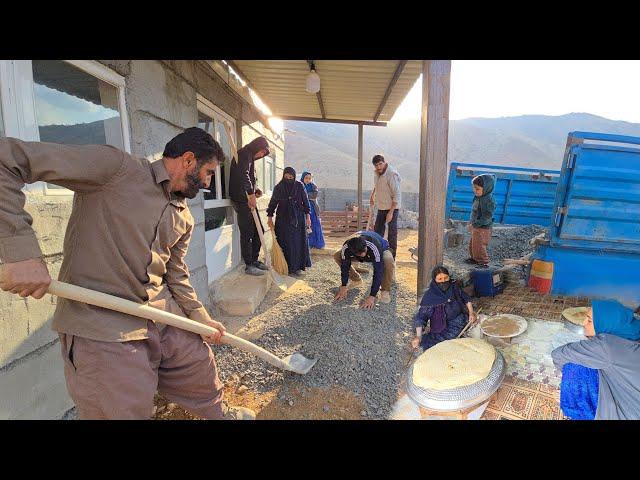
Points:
(351, 91)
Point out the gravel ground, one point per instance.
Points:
(363, 351)
(507, 241)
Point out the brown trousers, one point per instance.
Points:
(387, 276)
(118, 380)
(478, 244)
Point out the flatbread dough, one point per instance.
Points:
(454, 363)
(503, 326)
(576, 315)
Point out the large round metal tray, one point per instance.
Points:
(461, 397)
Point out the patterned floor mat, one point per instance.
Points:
(518, 399)
(531, 388)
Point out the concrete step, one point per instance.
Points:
(239, 294)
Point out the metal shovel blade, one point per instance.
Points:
(280, 282)
(298, 363)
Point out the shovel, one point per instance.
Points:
(296, 363)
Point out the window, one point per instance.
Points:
(259, 166)
(75, 102)
(269, 172)
(217, 217)
(74, 107)
(206, 123)
(218, 210)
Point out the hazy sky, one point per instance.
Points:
(502, 88)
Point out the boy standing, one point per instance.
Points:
(484, 205)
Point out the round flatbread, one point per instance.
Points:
(503, 326)
(454, 363)
(576, 315)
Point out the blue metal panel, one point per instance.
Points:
(523, 196)
(593, 274)
(597, 204)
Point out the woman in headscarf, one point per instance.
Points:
(445, 307)
(601, 375)
(316, 238)
(290, 201)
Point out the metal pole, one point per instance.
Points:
(360, 147)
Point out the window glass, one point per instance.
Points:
(217, 217)
(259, 164)
(226, 148)
(206, 123)
(74, 107)
(268, 174)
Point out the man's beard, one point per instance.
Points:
(193, 186)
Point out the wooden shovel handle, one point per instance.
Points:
(99, 299)
(256, 220)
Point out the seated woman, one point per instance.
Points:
(290, 203)
(446, 307)
(601, 375)
(316, 238)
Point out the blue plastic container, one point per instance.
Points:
(486, 282)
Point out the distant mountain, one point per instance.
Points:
(534, 141)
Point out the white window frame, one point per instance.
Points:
(270, 160)
(18, 102)
(217, 115)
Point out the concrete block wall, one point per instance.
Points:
(32, 384)
(337, 198)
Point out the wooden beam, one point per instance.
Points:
(360, 153)
(331, 120)
(321, 104)
(392, 83)
(434, 140)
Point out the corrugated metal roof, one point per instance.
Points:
(350, 89)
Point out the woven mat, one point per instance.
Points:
(531, 388)
(526, 302)
(518, 399)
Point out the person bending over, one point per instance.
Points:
(366, 246)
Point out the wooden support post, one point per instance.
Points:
(434, 141)
(360, 147)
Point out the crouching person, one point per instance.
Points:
(601, 375)
(445, 307)
(366, 246)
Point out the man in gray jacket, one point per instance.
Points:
(614, 351)
(386, 198)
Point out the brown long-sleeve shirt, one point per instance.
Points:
(127, 234)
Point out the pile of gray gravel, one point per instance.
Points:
(507, 241)
(363, 351)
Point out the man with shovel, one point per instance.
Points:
(127, 236)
